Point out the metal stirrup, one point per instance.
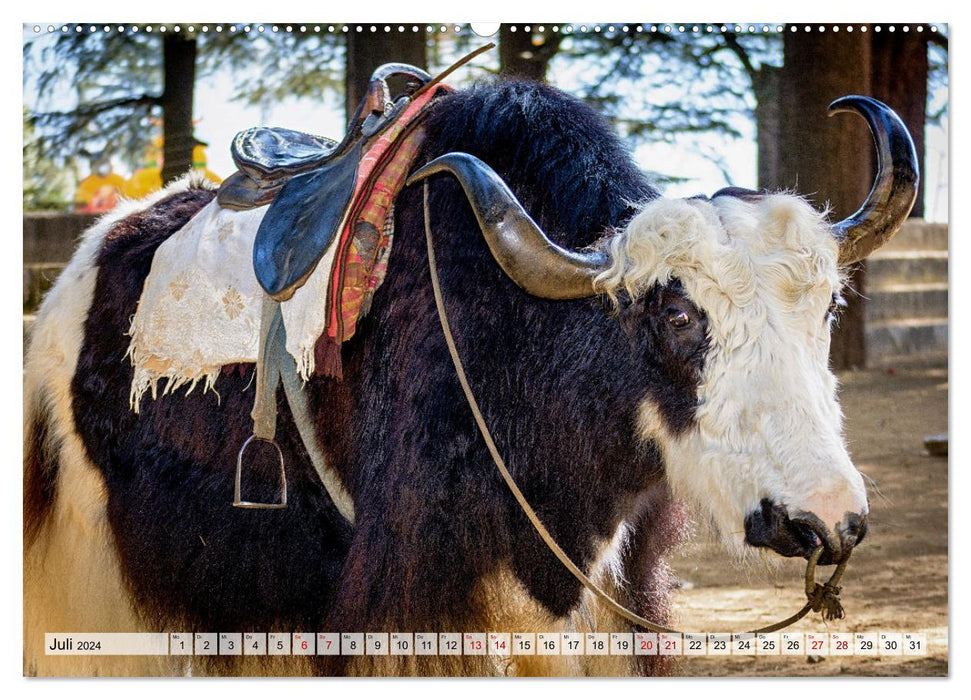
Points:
(264, 407)
(275, 366)
(238, 501)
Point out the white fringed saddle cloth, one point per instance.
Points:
(200, 307)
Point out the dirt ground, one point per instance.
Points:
(897, 581)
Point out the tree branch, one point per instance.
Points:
(731, 41)
(96, 108)
(937, 39)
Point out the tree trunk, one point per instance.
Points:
(365, 52)
(179, 67)
(900, 80)
(828, 160)
(525, 54)
(765, 85)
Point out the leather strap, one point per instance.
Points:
(273, 367)
(819, 597)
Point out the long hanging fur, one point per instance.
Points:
(133, 512)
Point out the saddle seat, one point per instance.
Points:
(267, 157)
(274, 152)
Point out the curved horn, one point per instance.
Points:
(523, 251)
(895, 188)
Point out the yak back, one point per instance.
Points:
(561, 158)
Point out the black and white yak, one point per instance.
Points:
(682, 358)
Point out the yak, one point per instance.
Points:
(639, 360)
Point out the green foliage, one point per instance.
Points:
(96, 91)
(100, 92)
(47, 183)
(276, 66)
(672, 87)
(937, 75)
(657, 85)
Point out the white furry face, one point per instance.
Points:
(767, 430)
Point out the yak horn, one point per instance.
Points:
(523, 251)
(895, 189)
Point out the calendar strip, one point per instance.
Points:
(795, 644)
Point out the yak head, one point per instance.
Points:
(737, 295)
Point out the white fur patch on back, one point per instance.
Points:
(58, 332)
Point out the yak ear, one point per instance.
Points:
(518, 244)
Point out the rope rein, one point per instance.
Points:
(819, 597)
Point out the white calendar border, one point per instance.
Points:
(508, 10)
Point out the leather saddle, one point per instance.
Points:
(267, 157)
(309, 181)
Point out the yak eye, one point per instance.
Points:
(835, 304)
(678, 318)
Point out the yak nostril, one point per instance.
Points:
(770, 525)
(853, 532)
(813, 534)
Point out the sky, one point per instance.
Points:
(219, 118)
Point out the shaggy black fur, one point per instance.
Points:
(40, 473)
(558, 382)
(189, 556)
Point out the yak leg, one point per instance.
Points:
(73, 581)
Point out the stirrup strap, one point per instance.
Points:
(273, 367)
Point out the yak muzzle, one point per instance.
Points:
(771, 526)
